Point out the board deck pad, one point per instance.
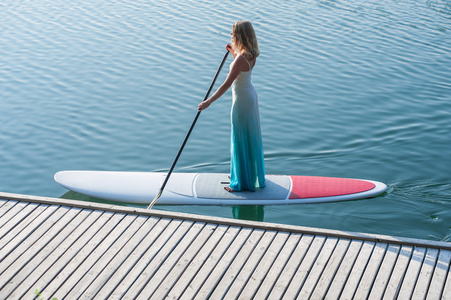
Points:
(211, 186)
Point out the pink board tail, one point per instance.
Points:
(315, 187)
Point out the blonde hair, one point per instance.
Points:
(246, 39)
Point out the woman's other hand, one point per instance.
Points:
(203, 105)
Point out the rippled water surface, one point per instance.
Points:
(358, 89)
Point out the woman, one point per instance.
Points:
(247, 168)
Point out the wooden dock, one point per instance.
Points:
(80, 250)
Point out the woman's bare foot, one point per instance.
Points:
(229, 189)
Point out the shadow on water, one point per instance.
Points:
(77, 196)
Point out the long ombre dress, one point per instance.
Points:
(247, 167)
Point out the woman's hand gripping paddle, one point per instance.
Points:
(187, 136)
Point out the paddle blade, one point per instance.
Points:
(155, 199)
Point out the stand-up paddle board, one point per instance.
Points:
(208, 188)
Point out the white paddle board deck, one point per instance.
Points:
(208, 188)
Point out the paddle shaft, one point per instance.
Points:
(187, 136)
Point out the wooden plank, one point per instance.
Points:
(441, 271)
(291, 267)
(357, 271)
(217, 260)
(138, 261)
(102, 256)
(408, 284)
(17, 221)
(331, 269)
(35, 244)
(42, 275)
(228, 221)
(399, 271)
(238, 262)
(27, 277)
(225, 262)
(123, 260)
(248, 273)
(26, 239)
(344, 271)
(279, 264)
(150, 232)
(159, 253)
(165, 267)
(78, 254)
(182, 263)
(424, 279)
(12, 211)
(305, 267)
(371, 270)
(241, 238)
(58, 274)
(447, 287)
(318, 268)
(385, 272)
(5, 207)
(185, 287)
(263, 268)
(94, 251)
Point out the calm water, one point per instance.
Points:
(358, 89)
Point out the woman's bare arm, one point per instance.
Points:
(238, 64)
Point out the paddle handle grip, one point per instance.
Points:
(187, 135)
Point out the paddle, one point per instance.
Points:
(187, 136)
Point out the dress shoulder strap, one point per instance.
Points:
(250, 67)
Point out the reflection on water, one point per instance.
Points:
(249, 212)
